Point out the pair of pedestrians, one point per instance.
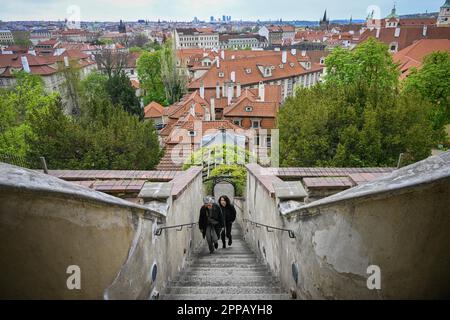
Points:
(216, 221)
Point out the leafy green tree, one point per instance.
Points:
(15, 106)
(103, 136)
(149, 71)
(322, 126)
(117, 89)
(123, 94)
(432, 81)
(358, 117)
(237, 174)
(174, 78)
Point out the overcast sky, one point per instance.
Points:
(186, 10)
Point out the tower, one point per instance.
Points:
(444, 15)
(324, 23)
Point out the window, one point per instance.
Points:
(255, 124)
(192, 133)
(249, 109)
(221, 75)
(237, 122)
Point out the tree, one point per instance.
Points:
(139, 40)
(117, 90)
(174, 78)
(149, 71)
(103, 136)
(358, 117)
(123, 94)
(112, 61)
(322, 126)
(15, 106)
(432, 81)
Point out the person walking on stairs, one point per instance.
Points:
(229, 213)
(211, 222)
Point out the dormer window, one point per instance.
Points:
(248, 70)
(221, 75)
(291, 64)
(248, 109)
(192, 133)
(281, 66)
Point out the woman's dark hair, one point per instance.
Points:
(227, 200)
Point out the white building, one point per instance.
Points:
(6, 37)
(444, 15)
(190, 38)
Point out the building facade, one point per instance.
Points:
(444, 15)
(6, 37)
(189, 38)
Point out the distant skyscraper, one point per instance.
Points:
(224, 19)
(211, 19)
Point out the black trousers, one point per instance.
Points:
(226, 231)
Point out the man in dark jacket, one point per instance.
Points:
(211, 222)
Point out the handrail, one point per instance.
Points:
(159, 231)
(269, 228)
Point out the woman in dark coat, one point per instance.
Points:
(229, 213)
(211, 222)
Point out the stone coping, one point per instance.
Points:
(26, 180)
(182, 181)
(265, 176)
(425, 172)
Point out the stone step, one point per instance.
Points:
(225, 264)
(225, 297)
(252, 281)
(225, 290)
(225, 272)
(227, 269)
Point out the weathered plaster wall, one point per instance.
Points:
(168, 251)
(41, 235)
(47, 224)
(404, 232)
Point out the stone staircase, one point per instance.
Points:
(233, 273)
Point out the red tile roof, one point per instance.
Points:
(153, 110)
(413, 55)
(242, 66)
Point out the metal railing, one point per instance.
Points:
(271, 228)
(179, 227)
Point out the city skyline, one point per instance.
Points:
(186, 10)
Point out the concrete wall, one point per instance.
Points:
(42, 234)
(47, 224)
(404, 232)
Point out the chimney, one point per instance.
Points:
(66, 61)
(25, 65)
(261, 91)
(222, 54)
(233, 76)
(425, 30)
(230, 94)
(213, 110)
(217, 62)
(284, 57)
(217, 90)
(238, 90)
(224, 90)
(378, 33)
(202, 90)
(303, 53)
